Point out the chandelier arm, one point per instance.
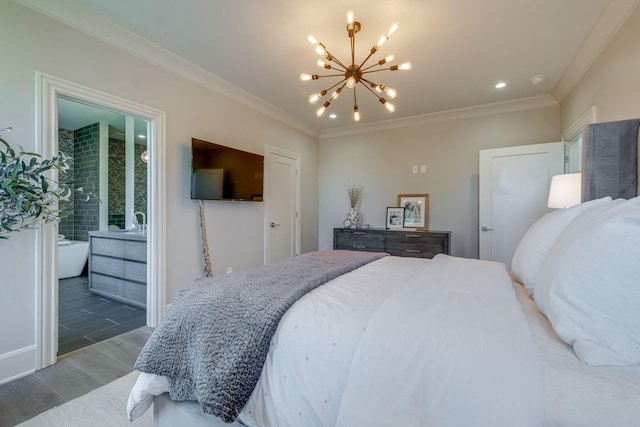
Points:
(375, 71)
(330, 75)
(369, 89)
(366, 59)
(353, 49)
(362, 79)
(331, 87)
(331, 57)
(364, 70)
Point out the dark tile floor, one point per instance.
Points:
(85, 318)
(74, 375)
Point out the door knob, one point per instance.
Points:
(485, 228)
(274, 225)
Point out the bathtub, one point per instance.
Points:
(72, 257)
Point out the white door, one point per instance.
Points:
(282, 222)
(513, 191)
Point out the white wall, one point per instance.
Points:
(31, 42)
(382, 162)
(612, 83)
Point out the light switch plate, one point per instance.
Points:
(414, 169)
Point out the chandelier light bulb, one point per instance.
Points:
(405, 66)
(312, 40)
(383, 39)
(323, 64)
(389, 106)
(393, 29)
(391, 92)
(335, 94)
(351, 82)
(350, 17)
(388, 58)
(320, 50)
(356, 114)
(320, 111)
(314, 98)
(305, 77)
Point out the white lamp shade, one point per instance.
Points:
(565, 190)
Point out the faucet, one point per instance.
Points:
(143, 227)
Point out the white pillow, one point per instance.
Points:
(539, 238)
(589, 284)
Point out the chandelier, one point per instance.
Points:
(352, 74)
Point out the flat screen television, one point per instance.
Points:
(224, 173)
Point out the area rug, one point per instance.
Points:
(103, 407)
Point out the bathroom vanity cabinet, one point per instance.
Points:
(118, 266)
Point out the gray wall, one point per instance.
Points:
(382, 161)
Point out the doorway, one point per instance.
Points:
(513, 191)
(282, 196)
(106, 151)
(48, 90)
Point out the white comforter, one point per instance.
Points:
(400, 341)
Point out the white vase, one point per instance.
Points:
(352, 216)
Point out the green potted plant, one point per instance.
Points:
(28, 195)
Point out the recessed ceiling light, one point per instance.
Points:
(332, 116)
(536, 80)
(500, 85)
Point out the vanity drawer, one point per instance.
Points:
(108, 247)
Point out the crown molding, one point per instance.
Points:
(534, 102)
(604, 30)
(82, 19)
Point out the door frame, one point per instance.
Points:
(271, 150)
(48, 89)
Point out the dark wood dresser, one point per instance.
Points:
(419, 244)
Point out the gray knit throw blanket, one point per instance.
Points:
(214, 340)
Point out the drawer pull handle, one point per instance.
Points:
(360, 247)
(359, 232)
(413, 251)
(413, 236)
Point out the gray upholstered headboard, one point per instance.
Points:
(610, 160)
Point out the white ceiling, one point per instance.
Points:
(459, 48)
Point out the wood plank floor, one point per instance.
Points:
(75, 374)
(85, 318)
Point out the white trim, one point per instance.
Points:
(542, 101)
(20, 360)
(270, 150)
(48, 89)
(578, 126)
(80, 18)
(604, 30)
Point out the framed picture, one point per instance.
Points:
(416, 210)
(395, 218)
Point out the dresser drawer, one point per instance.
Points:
(357, 240)
(418, 244)
(421, 245)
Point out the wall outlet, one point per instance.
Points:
(414, 169)
(229, 270)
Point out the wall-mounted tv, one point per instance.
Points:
(225, 173)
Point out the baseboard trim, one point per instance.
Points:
(17, 364)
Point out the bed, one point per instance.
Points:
(389, 341)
